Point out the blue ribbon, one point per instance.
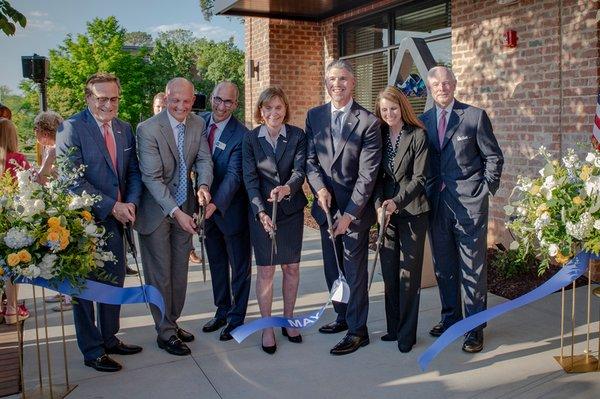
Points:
(242, 332)
(103, 293)
(566, 275)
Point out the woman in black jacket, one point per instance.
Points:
(400, 193)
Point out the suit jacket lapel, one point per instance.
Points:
(455, 120)
(94, 131)
(431, 126)
(191, 130)
(167, 132)
(403, 144)
(347, 129)
(120, 142)
(281, 145)
(225, 136)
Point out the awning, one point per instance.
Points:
(306, 10)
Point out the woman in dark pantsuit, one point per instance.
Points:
(274, 161)
(400, 192)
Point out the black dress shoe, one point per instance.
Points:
(348, 344)
(404, 348)
(103, 363)
(130, 272)
(268, 349)
(123, 349)
(473, 342)
(213, 325)
(333, 327)
(174, 346)
(185, 336)
(297, 339)
(389, 337)
(226, 333)
(437, 330)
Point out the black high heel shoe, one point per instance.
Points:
(268, 349)
(297, 339)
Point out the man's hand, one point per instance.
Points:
(186, 222)
(324, 199)
(341, 225)
(389, 207)
(203, 195)
(209, 210)
(266, 222)
(124, 212)
(279, 192)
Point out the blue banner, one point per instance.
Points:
(565, 276)
(103, 293)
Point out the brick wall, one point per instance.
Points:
(292, 55)
(543, 92)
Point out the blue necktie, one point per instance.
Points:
(181, 193)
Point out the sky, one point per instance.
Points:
(49, 21)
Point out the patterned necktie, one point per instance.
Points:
(442, 127)
(181, 193)
(211, 136)
(336, 129)
(111, 146)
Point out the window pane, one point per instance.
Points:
(371, 72)
(365, 35)
(423, 23)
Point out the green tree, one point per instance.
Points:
(9, 17)
(24, 108)
(100, 49)
(174, 54)
(207, 6)
(139, 39)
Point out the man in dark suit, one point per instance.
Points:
(344, 152)
(106, 146)
(465, 167)
(227, 235)
(170, 145)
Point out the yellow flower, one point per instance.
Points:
(54, 222)
(24, 256)
(86, 215)
(560, 258)
(1, 271)
(53, 235)
(586, 172)
(64, 242)
(577, 200)
(541, 209)
(534, 190)
(13, 260)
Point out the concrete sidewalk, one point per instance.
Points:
(517, 361)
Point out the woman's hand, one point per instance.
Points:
(279, 193)
(266, 222)
(389, 207)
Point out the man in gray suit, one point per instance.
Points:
(170, 145)
(344, 152)
(465, 167)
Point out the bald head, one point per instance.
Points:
(179, 98)
(224, 100)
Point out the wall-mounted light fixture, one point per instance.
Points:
(253, 69)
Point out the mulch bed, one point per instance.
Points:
(498, 284)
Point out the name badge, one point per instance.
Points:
(220, 145)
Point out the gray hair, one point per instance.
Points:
(339, 64)
(433, 72)
(47, 120)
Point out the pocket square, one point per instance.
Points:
(461, 138)
(127, 149)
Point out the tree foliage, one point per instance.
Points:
(9, 17)
(143, 70)
(207, 6)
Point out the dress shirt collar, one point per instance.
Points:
(345, 109)
(174, 122)
(448, 109)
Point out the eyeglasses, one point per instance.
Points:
(104, 100)
(218, 101)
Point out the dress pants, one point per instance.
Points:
(230, 289)
(459, 246)
(96, 330)
(402, 266)
(165, 258)
(353, 253)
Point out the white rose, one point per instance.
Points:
(514, 245)
(597, 224)
(552, 249)
(590, 157)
